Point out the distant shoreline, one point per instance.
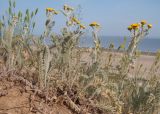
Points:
(86, 49)
(119, 51)
(148, 44)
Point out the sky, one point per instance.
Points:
(113, 15)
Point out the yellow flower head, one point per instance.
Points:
(135, 26)
(49, 9)
(75, 20)
(67, 8)
(149, 26)
(143, 22)
(82, 27)
(94, 24)
(52, 10)
(55, 12)
(130, 28)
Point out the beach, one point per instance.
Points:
(145, 59)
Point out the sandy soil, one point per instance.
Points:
(15, 98)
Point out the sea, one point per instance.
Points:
(148, 44)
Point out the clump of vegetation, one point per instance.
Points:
(138, 32)
(59, 72)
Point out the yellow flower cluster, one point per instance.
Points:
(51, 10)
(149, 26)
(136, 26)
(67, 8)
(130, 28)
(143, 22)
(75, 20)
(56, 12)
(94, 24)
(82, 26)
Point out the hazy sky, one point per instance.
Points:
(113, 15)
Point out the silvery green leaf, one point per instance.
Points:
(10, 3)
(34, 24)
(36, 11)
(3, 17)
(27, 11)
(47, 22)
(50, 24)
(19, 14)
(10, 11)
(14, 4)
(32, 14)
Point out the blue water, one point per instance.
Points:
(147, 44)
